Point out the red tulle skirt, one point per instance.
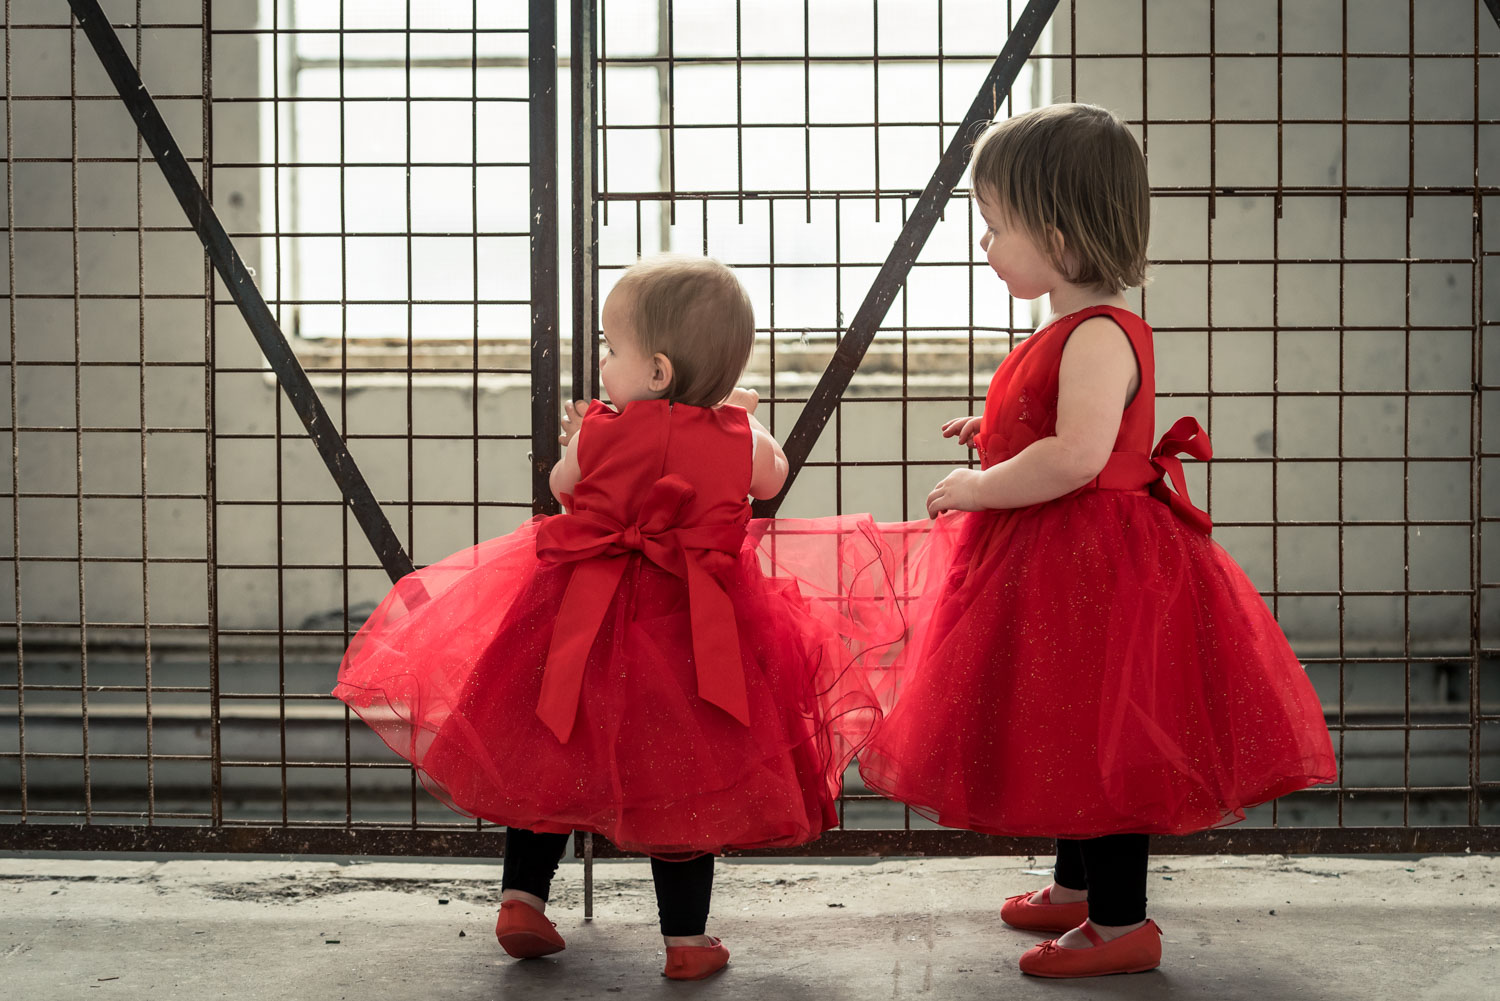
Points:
(449, 668)
(1086, 667)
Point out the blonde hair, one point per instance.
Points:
(695, 311)
(1076, 168)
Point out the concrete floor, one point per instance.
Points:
(1235, 927)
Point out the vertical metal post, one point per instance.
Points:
(585, 262)
(347, 713)
(545, 345)
(83, 612)
(210, 424)
(1343, 605)
(1276, 403)
(585, 199)
(1406, 528)
(588, 875)
(279, 478)
(15, 423)
(140, 278)
(1476, 452)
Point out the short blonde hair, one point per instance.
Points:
(1075, 167)
(695, 311)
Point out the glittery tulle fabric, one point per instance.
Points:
(452, 666)
(1093, 665)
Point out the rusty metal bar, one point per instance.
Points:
(1228, 840)
(1476, 449)
(210, 426)
(1338, 736)
(1406, 361)
(279, 477)
(15, 438)
(546, 347)
(83, 616)
(1275, 306)
(140, 275)
(585, 167)
(490, 842)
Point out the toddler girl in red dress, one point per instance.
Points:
(652, 666)
(1086, 663)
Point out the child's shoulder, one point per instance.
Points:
(731, 416)
(1101, 323)
(1100, 316)
(728, 417)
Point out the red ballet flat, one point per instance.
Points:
(1133, 952)
(695, 962)
(525, 932)
(1035, 911)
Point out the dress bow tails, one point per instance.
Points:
(655, 534)
(1186, 437)
(1136, 471)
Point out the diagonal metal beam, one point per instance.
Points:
(877, 302)
(236, 277)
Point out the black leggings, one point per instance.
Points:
(1112, 869)
(683, 889)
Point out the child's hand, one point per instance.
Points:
(572, 420)
(958, 491)
(965, 427)
(742, 397)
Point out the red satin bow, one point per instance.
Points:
(656, 536)
(1186, 437)
(1134, 471)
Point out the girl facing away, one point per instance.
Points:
(1086, 662)
(652, 665)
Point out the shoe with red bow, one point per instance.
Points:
(1133, 952)
(1035, 911)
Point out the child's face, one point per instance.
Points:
(1014, 255)
(624, 369)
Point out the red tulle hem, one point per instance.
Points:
(1086, 667)
(448, 672)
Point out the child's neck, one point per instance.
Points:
(1069, 298)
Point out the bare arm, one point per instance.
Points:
(770, 468)
(769, 465)
(1098, 374)
(565, 475)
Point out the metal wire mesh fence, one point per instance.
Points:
(183, 572)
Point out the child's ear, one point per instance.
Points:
(1059, 245)
(661, 373)
(1062, 252)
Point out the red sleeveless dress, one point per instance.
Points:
(1092, 665)
(654, 667)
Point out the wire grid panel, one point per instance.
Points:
(108, 585)
(1321, 180)
(187, 575)
(392, 168)
(1319, 185)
